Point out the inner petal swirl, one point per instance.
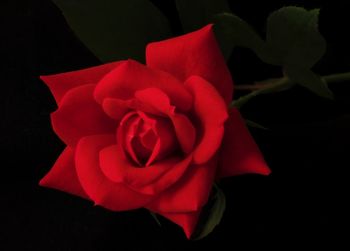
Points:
(146, 138)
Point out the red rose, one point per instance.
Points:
(154, 136)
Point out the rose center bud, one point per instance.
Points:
(146, 138)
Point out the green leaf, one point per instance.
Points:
(292, 41)
(276, 86)
(195, 14)
(237, 32)
(115, 30)
(211, 214)
(309, 80)
(254, 124)
(293, 38)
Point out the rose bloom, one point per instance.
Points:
(155, 136)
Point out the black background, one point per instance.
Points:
(302, 204)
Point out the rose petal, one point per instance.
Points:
(79, 115)
(128, 131)
(63, 176)
(115, 108)
(184, 129)
(195, 53)
(104, 192)
(187, 221)
(239, 153)
(166, 138)
(148, 138)
(190, 193)
(60, 83)
(211, 110)
(152, 122)
(161, 104)
(147, 180)
(131, 76)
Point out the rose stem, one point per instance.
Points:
(279, 85)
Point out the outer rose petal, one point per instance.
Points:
(190, 193)
(59, 84)
(195, 53)
(239, 153)
(63, 176)
(131, 76)
(187, 221)
(104, 192)
(212, 113)
(79, 115)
